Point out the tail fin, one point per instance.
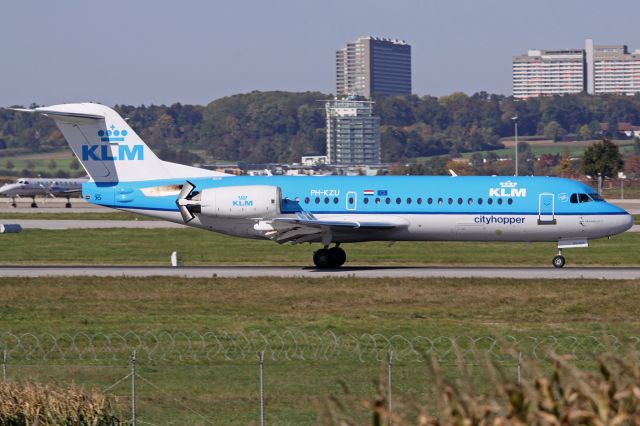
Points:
(108, 149)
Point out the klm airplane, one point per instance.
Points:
(127, 175)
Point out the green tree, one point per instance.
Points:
(9, 165)
(52, 165)
(584, 133)
(75, 164)
(602, 160)
(31, 165)
(553, 130)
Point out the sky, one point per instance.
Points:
(193, 52)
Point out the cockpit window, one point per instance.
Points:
(579, 198)
(596, 196)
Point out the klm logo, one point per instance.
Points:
(112, 134)
(242, 201)
(508, 189)
(103, 153)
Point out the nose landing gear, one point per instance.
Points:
(329, 258)
(559, 260)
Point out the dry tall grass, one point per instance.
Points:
(43, 405)
(562, 395)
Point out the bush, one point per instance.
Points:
(36, 404)
(562, 395)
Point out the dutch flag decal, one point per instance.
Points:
(368, 192)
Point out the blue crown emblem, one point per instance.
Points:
(112, 135)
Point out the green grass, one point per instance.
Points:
(63, 161)
(227, 392)
(197, 247)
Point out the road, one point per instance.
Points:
(357, 272)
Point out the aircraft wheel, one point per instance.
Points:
(34, 205)
(323, 259)
(338, 257)
(558, 261)
(14, 205)
(68, 205)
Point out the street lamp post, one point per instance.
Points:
(515, 122)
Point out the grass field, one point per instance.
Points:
(41, 161)
(196, 247)
(227, 392)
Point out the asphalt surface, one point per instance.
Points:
(55, 224)
(358, 272)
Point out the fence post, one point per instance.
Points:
(261, 359)
(4, 366)
(519, 368)
(133, 388)
(389, 382)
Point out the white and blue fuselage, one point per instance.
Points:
(459, 208)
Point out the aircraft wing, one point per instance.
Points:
(306, 227)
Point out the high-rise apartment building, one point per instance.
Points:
(612, 70)
(548, 72)
(595, 70)
(373, 65)
(353, 133)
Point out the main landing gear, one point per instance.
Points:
(329, 258)
(68, 205)
(559, 260)
(33, 203)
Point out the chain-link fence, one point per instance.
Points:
(274, 377)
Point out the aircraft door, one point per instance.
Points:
(352, 200)
(546, 209)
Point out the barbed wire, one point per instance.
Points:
(294, 344)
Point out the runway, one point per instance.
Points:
(309, 272)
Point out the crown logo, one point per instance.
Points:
(508, 184)
(112, 134)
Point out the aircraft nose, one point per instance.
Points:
(626, 222)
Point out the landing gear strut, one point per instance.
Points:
(68, 205)
(558, 261)
(13, 202)
(327, 258)
(33, 203)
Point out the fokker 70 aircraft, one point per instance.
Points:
(32, 187)
(125, 174)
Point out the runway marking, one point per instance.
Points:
(302, 272)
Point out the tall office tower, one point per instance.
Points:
(373, 65)
(353, 133)
(548, 72)
(612, 69)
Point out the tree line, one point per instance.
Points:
(260, 127)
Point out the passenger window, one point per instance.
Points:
(398, 200)
(490, 201)
(500, 201)
(408, 200)
(317, 200)
(459, 200)
(326, 200)
(419, 200)
(387, 200)
(479, 200)
(470, 201)
(440, 201)
(510, 201)
(297, 200)
(430, 201)
(306, 200)
(450, 200)
(377, 200)
(366, 201)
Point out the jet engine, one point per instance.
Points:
(237, 202)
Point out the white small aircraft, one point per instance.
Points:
(32, 187)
